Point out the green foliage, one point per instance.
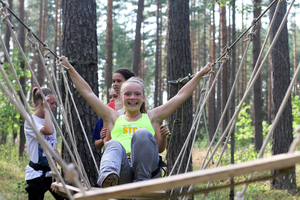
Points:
(244, 129)
(9, 117)
(296, 110)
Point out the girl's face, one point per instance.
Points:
(51, 101)
(117, 81)
(132, 96)
(112, 95)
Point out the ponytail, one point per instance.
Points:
(36, 95)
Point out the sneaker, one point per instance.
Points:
(111, 179)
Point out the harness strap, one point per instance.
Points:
(161, 164)
(37, 167)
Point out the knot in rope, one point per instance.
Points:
(251, 35)
(225, 58)
(71, 173)
(61, 67)
(212, 72)
(34, 43)
(203, 90)
(177, 121)
(47, 49)
(54, 175)
(5, 14)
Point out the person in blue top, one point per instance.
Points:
(99, 132)
(136, 126)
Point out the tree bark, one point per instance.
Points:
(41, 72)
(212, 117)
(179, 65)
(137, 41)
(283, 133)
(295, 54)
(80, 43)
(224, 92)
(232, 75)
(21, 36)
(257, 101)
(7, 31)
(109, 46)
(157, 57)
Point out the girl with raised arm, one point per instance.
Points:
(132, 133)
(37, 171)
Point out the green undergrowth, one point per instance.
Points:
(12, 174)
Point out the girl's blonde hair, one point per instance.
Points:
(135, 79)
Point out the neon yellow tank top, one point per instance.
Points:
(123, 130)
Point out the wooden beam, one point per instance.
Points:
(197, 177)
(60, 188)
(203, 176)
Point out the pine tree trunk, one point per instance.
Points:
(257, 101)
(137, 41)
(212, 123)
(109, 46)
(179, 65)
(41, 73)
(295, 55)
(224, 93)
(81, 44)
(21, 37)
(157, 57)
(270, 80)
(7, 31)
(283, 133)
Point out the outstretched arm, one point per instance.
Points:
(162, 112)
(106, 113)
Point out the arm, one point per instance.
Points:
(160, 113)
(99, 143)
(107, 136)
(105, 112)
(161, 133)
(48, 127)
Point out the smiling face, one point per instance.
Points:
(113, 95)
(133, 96)
(117, 81)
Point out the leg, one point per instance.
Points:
(114, 160)
(144, 154)
(36, 189)
(48, 181)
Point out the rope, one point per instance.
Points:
(226, 107)
(69, 91)
(27, 63)
(288, 91)
(48, 150)
(37, 50)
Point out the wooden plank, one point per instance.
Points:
(203, 176)
(59, 188)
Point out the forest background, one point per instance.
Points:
(46, 19)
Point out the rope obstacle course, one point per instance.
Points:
(85, 191)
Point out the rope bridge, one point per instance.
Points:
(83, 189)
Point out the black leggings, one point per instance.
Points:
(37, 187)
